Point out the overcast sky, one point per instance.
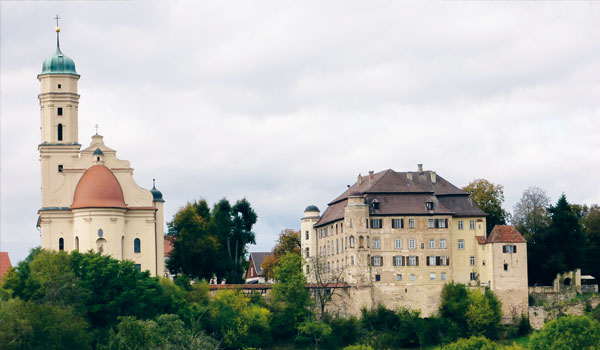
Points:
(286, 102)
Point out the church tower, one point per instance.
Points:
(90, 200)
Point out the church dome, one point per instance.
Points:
(311, 208)
(98, 188)
(156, 194)
(58, 64)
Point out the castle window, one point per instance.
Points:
(472, 261)
(307, 252)
(443, 278)
(100, 233)
(471, 224)
(473, 276)
(397, 223)
(398, 244)
(398, 260)
(432, 261)
(307, 269)
(461, 244)
(352, 260)
(376, 243)
(59, 110)
(431, 243)
(412, 278)
(431, 223)
(376, 223)
(361, 242)
(398, 277)
(342, 227)
(509, 249)
(377, 278)
(306, 234)
(60, 168)
(429, 205)
(137, 245)
(442, 243)
(76, 243)
(59, 86)
(61, 244)
(411, 243)
(505, 267)
(60, 132)
(460, 224)
(342, 244)
(411, 223)
(377, 261)
(422, 245)
(337, 246)
(432, 276)
(413, 260)
(351, 241)
(138, 267)
(442, 223)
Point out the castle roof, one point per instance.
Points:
(98, 188)
(505, 234)
(404, 193)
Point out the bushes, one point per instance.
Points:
(478, 343)
(344, 331)
(389, 329)
(566, 333)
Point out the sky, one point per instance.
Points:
(286, 102)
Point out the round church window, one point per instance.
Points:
(100, 233)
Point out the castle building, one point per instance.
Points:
(395, 238)
(90, 200)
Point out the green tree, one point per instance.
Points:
(489, 198)
(483, 314)
(591, 224)
(315, 330)
(530, 215)
(288, 242)
(244, 219)
(31, 325)
(566, 333)
(454, 306)
(560, 249)
(195, 250)
(290, 297)
(478, 343)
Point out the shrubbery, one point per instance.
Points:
(566, 333)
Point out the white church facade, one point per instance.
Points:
(89, 199)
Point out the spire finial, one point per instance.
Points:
(154, 183)
(96, 129)
(57, 31)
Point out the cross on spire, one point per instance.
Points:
(96, 129)
(57, 18)
(57, 31)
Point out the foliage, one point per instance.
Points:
(559, 249)
(454, 306)
(530, 216)
(489, 198)
(591, 226)
(238, 322)
(478, 343)
(358, 347)
(288, 242)
(315, 330)
(344, 331)
(568, 332)
(31, 325)
(387, 328)
(209, 244)
(291, 299)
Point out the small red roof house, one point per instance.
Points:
(505, 234)
(4, 264)
(255, 271)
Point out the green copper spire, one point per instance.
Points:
(58, 63)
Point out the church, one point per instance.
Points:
(90, 200)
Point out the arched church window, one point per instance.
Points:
(61, 244)
(100, 233)
(60, 132)
(137, 245)
(76, 243)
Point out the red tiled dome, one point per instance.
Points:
(98, 188)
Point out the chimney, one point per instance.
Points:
(420, 167)
(359, 180)
(433, 177)
(371, 177)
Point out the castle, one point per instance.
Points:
(395, 238)
(90, 200)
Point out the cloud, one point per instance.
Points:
(285, 103)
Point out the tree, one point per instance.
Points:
(489, 198)
(209, 244)
(454, 306)
(326, 280)
(483, 314)
(288, 242)
(566, 333)
(591, 224)
(561, 247)
(530, 215)
(315, 330)
(478, 343)
(290, 296)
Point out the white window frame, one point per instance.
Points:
(430, 223)
(411, 223)
(376, 243)
(442, 243)
(443, 277)
(352, 260)
(472, 261)
(376, 260)
(399, 277)
(398, 259)
(432, 261)
(398, 243)
(442, 223)
(432, 276)
(461, 244)
(412, 244)
(412, 260)
(460, 225)
(471, 224)
(351, 241)
(431, 243)
(413, 277)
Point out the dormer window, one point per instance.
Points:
(375, 204)
(429, 205)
